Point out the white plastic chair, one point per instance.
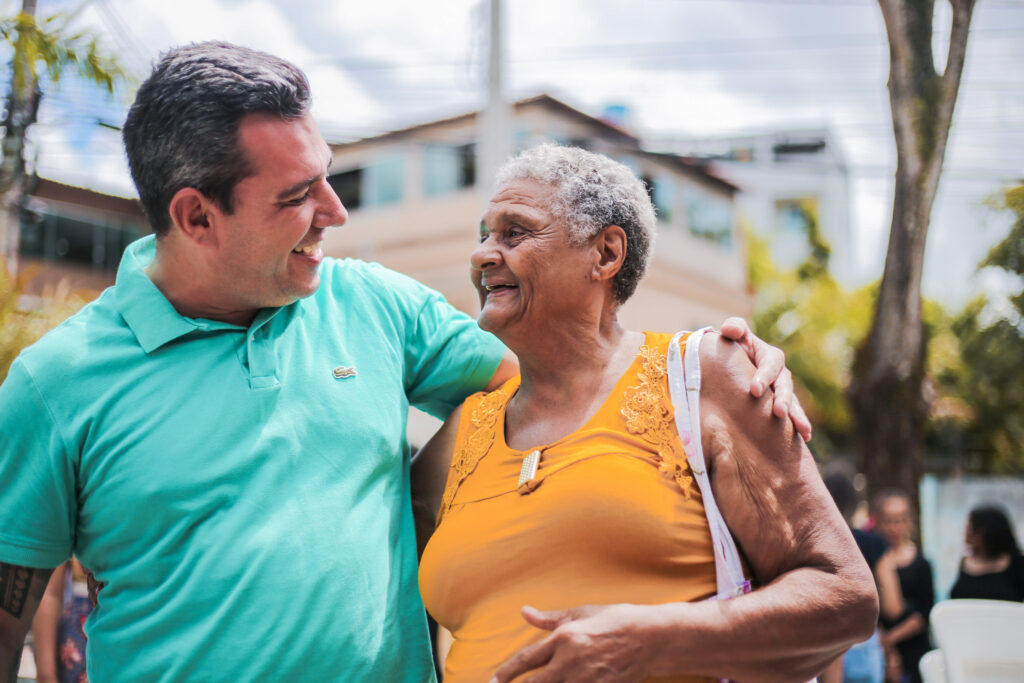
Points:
(982, 641)
(933, 667)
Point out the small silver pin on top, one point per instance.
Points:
(529, 468)
(343, 371)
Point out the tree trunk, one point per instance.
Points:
(886, 388)
(20, 112)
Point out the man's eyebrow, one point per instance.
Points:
(285, 194)
(302, 185)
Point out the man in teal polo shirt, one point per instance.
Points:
(220, 437)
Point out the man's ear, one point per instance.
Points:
(193, 214)
(609, 252)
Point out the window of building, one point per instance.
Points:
(792, 217)
(799, 150)
(383, 180)
(663, 195)
(447, 168)
(790, 233)
(710, 217)
(57, 237)
(347, 186)
(378, 183)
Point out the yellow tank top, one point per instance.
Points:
(613, 516)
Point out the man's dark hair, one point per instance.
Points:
(182, 129)
(992, 525)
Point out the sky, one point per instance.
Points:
(682, 67)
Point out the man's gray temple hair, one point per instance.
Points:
(591, 193)
(182, 129)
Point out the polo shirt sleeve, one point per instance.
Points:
(447, 356)
(37, 497)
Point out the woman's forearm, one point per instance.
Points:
(790, 630)
(908, 628)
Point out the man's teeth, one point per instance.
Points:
(491, 288)
(309, 250)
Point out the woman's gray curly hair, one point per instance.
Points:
(591, 193)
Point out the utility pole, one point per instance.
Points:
(494, 124)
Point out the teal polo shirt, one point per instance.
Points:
(243, 492)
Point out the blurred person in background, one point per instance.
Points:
(904, 635)
(58, 638)
(864, 662)
(993, 568)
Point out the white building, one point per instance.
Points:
(780, 175)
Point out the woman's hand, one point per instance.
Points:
(590, 643)
(770, 371)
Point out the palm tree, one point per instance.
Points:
(49, 45)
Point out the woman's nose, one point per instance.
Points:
(486, 255)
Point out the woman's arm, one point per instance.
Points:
(917, 605)
(45, 625)
(429, 474)
(889, 593)
(817, 597)
(817, 594)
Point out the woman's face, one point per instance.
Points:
(971, 539)
(894, 520)
(525, 271)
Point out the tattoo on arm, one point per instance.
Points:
(15, 582)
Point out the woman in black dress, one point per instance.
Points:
(905, 637)
(993, 568)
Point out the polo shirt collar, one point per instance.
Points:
(151, 317)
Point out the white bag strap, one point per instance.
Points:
(684, 389)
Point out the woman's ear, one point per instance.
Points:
(193, 214)
(610, 252)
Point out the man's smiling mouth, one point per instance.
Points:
(308, 250)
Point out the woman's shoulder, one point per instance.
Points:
(488, 401)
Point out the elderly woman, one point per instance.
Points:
(572, 539)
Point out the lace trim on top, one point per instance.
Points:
(647, 410)
(484, 417)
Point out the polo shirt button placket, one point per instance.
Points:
(262, 361)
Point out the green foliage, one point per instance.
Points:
(19, 327)
(807, 314)
(49, 44)
(818, 324)
(990, 380)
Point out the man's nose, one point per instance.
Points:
(330, 212)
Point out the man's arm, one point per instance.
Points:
(817, 595)
(507, 369)
(21, 590)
